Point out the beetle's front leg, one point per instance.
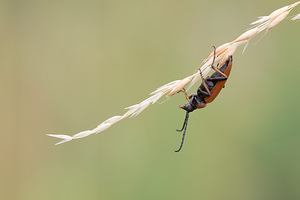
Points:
(186, 95)
(204, 84)
(217, 79)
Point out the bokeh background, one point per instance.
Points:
(66, 66)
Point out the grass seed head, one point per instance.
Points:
(222, 54)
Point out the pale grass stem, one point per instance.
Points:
(222, 54)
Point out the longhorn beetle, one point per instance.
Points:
(207, 91)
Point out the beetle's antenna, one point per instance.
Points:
(184, 126)
(184, 123)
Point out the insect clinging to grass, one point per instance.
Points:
(207, 91)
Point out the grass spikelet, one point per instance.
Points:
(222, 53)
(180, 85)
(247, 35)
(278, 19)
(66, 138)
(296, 17)
(261, 20)
(278, 12)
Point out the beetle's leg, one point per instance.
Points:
(186, 95)
(217, 70)
(203, 82)
(202, 92)
(212, 64)
(186, 123)
(217, 78)
(191, 96)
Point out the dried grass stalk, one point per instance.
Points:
(222, 54)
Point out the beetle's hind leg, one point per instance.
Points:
(215, 68)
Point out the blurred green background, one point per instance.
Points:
(66, 66)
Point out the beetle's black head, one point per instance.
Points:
(188, 107)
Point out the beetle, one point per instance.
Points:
(207, 91)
